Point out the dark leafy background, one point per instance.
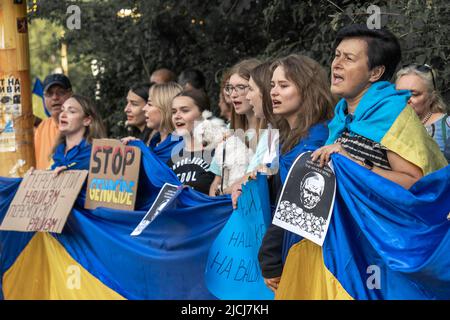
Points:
(212, 35)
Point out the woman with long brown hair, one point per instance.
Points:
(230, 166)
(302, 101)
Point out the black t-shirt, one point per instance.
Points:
(191, 169)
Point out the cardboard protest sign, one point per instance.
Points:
(232, 269)
(43, 202)
(307, 199)
(165, 198)
(113, 175)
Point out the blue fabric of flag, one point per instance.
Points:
(167, 261)
(403, 233)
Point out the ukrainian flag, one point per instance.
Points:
(96, 258)
(38, 101)
(383, 242)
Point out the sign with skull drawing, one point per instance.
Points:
(306, 202)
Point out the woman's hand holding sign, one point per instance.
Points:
(323, 154)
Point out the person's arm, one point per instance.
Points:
(270, 256)
(128, 139)
(58, 170)
(447, 150)
(403, 172)
(214, 186)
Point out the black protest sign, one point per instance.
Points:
(113, 175)
(165, 197)
(43, 202)
(306, 202)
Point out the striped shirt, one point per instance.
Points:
(362, 149)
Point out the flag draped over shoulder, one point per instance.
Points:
(384, 242)
(96, 258)
(172, 144)
(316, 138)
(76, 158)
(383, 116)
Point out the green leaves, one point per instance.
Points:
(212, 35)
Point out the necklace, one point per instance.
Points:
(427, 117)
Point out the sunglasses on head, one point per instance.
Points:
(423, 68)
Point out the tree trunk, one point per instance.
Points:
(16, 115)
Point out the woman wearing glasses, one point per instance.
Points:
(426, 102)
(79, 124)
(232, 157)
(373, 126)
(265, 157)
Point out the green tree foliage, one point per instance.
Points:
(45, 47)
(213, 35)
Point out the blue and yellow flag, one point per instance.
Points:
(38, 101)
(384, 242)
(96, 258)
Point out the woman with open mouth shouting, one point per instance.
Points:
(79, 124)
(303, 105)
(373, 124)
(191, 159)
(233, 155)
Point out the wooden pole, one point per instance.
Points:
(16, 115)
(64, 60)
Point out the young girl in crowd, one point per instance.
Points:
(230, 166)
(427, 102)
(192, 158)
(302, 101)
(79, 124)
(137, 98)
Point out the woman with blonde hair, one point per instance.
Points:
(79, 124)
(426, 102)
(158, 116)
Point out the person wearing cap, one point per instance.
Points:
(57, 89)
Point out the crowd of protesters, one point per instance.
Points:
(270, 112)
